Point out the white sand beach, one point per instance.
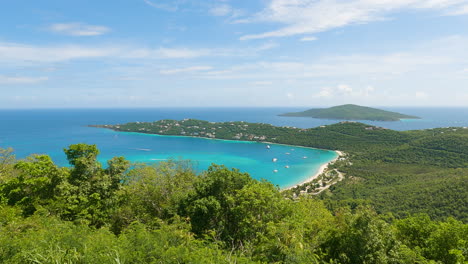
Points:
(320, 171)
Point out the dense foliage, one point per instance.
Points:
(167, 213)
(351, 112)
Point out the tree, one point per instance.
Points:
(207, 207)
(83, 158)
(153, 192)
(91, 192)
(36, 183)
(362, 237)
(7, 159)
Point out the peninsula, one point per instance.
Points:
(351, 112)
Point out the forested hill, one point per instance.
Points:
(351, 112)
(423, 171)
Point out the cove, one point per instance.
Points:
(282, 165)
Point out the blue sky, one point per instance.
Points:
(161, 53)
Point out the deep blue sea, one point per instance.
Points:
(49, 131)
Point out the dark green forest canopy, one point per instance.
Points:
(167, 213)
(351, 112)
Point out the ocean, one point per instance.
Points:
(49, 131)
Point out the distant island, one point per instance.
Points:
(351, 112)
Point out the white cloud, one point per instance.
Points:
(344, 91)
(313, 16)
(183, 53)
(221, 10)
(308, 39)
(185, 70)
(325, 92)
(165, 53)
(172, 6)
(13, 52)
(462, 10)
(225, 10)
(368, 91)
(21, 79)
(78, 29)
(385, 66)
(24, 54)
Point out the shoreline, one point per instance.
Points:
(321, 170)
(318, 173)
(221, 139)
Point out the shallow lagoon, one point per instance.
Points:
(251, 157)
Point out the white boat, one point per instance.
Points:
(304, 157)
(287, 166)
(275, 171)
(268, 147)
(287, 153)
(142, 149)
(274, 159)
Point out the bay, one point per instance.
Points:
(48, 131)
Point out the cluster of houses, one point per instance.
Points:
(249, 137)
(168, 126)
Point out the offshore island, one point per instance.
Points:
(351, 112)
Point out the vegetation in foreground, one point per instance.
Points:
(167, 213)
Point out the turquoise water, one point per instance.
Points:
(252, 157)
(49, 131)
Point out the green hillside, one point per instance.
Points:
(351, 112)
(398, 172)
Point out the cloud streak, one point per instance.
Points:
(185, 70)
(78, 29)
(25, 54)
(19, 53)
(21, 79)
(172, 7)
(314, 16)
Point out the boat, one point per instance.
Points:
(274, 159)
(287, 166)
(287, 153)
(268, 147)
(304, 157)
(275, 171)
(142, 149)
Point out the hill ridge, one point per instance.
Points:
(351, 112)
